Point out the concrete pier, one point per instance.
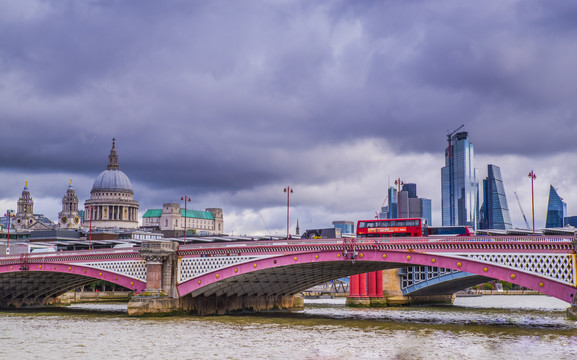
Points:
(73, 297)
(212, 305)
(572, 312)
(28, 303)
(160, 297)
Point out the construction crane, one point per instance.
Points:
(381, 208)
(450, 134)
(522, 212)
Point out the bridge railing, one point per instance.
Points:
(477, 238)
(383, 240)
(94, 253)
(345, 242)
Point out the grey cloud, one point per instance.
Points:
(219, 97)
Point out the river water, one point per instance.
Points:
(487, 327)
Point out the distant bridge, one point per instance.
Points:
(263, 275)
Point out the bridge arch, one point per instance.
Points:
(442, 285)
(291, 273)
(34, 283)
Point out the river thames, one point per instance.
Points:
(487, 327)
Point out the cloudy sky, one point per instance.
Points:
(229, 102)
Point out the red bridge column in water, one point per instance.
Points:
(372, 284)
(379, 281)
(354, 286)
(363, 285)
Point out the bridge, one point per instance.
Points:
(221, 278)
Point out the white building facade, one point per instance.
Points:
(172, 218)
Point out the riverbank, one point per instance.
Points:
(497, 292)
(75, 297)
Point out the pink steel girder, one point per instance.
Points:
(284, 269)
(39, 268)
(65, 271)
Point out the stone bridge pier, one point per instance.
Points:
(161, 262)
(161, 295)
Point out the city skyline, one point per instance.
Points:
(333, 100)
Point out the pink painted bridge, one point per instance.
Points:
(277, 269)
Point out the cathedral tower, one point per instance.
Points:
(111, 203)
(25, 213)
(68, 218)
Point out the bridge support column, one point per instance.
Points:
(160, 257)
(372, 284)
(363, 285)
(357, 287)
(160, 295)
(354, 286)
(377, 297)
(380, 284)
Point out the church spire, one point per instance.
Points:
(113, 158)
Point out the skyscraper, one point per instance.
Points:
(495, 210)
(411, 206)
(556, 210)
(391, 210)
(459, 184)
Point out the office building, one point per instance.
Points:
(570, 220)
(347, 227)
(495, 210)
(556, 210)
(411, 206)
(459, 183)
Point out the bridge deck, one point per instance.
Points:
(278, 267)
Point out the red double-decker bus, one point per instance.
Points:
(392, 228)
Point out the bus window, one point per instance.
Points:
(450, 231)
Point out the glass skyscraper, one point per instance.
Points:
(495, 210)
(556, 210)
(459, 183)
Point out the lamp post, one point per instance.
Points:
(533, 177)
(288, 191)
(186, 199)
(90, 228)
(9, 215)
(398, 182)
